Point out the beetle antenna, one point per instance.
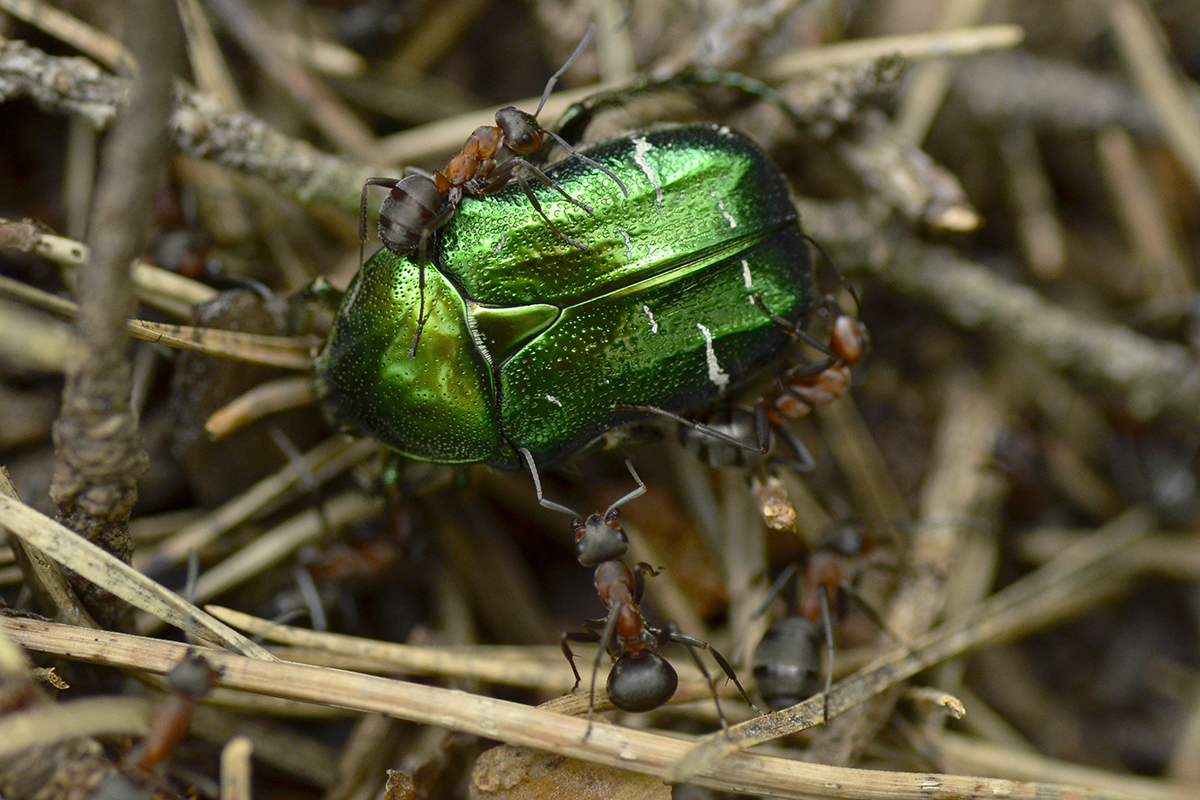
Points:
(550, 84)
(537, 487)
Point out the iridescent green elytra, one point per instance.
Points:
(531, 341)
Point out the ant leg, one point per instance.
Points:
(412, 350)
(690, 642)
(804, 461)
(564, 642)
(641, 571)
(610, 630)
(440, 219)
(386, 183)
(533, 201)
(669, 633)
(502, 174)
(870, 611)
(712, 433)
(824, 596)
(775, 590)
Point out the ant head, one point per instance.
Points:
(600, 538)
(521, 130)
(641, 681)
(846, 540)
(193, 677)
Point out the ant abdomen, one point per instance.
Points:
(406, 212)
(786, 663)
(641, 681)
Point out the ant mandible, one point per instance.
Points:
(417, 205)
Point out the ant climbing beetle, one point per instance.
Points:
(739, 436)
(417, 205)
(786, 664)
(640, 678)
(807, 386)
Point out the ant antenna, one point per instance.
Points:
(563, 144)
(550, 84)
(537, 486)
(633, 495)
(845, 284)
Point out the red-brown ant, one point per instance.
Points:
(786, 664)
(417, 205)
(738, 436)
(190, 680)
(807, 386)
(640, 678)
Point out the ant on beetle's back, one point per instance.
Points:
(417, 205)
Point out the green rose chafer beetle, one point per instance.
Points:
(534, 344)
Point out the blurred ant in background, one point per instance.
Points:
(786, 664)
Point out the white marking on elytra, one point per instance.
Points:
(746, 274)
(554, 400)
(628, 246)
(640, 147)
(724, 131)
(728, 216)
(715, 374)
(500, 244)
(653, 324)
